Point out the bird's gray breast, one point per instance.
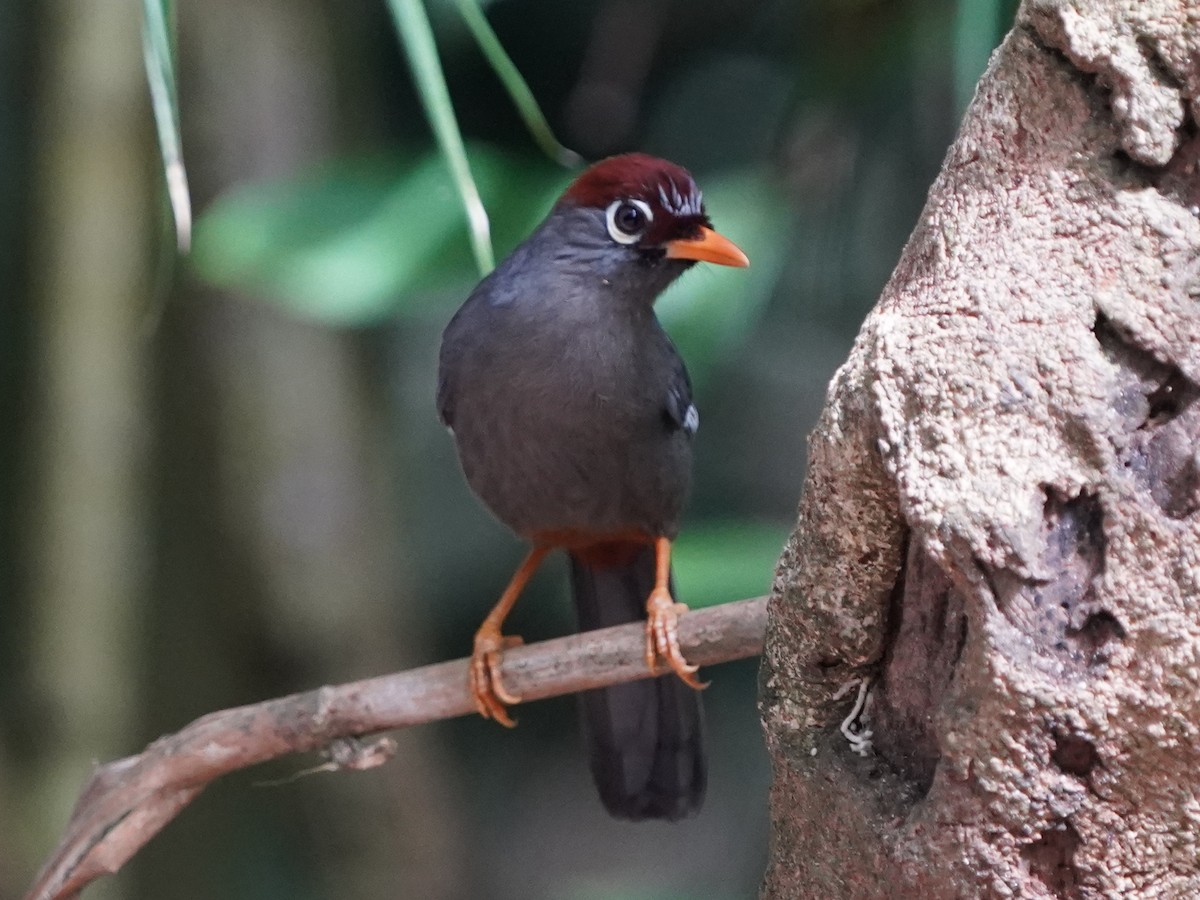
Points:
(561, 421)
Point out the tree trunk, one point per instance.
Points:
(91, 229)
(278, 535)
(999, 524)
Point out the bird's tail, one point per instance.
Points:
(645, 738)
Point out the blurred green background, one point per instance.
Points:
(222, 478)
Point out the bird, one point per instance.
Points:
(572, 414)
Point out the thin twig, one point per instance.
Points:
(127, 801)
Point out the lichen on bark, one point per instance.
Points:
(999, 523)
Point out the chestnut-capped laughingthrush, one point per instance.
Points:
(573, 417)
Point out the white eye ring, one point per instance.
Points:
(615, 232)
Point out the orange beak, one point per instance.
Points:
(708, 246)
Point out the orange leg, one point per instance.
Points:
(662, 620)
(486, 687)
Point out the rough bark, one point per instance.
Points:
(999, 525)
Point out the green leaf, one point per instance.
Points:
(711, 309)
(356, 241)
(416, 35)
(723, 561)
(158, 51)
(515, 84)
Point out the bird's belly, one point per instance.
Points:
(571, 464)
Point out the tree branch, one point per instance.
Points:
(126, 802)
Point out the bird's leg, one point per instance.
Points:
(662, 620)
(486, 687)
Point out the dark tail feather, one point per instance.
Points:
(645, 738)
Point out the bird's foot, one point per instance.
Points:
(491, 697)
(662, 637)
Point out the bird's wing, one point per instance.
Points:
(680, 411)
(445, 400)
(450, 361)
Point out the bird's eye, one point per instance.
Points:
(627, 220)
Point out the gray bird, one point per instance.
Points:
(573, 417)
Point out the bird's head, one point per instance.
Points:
(645, 216)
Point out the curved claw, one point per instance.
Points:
(487, 688)
(662, 638)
